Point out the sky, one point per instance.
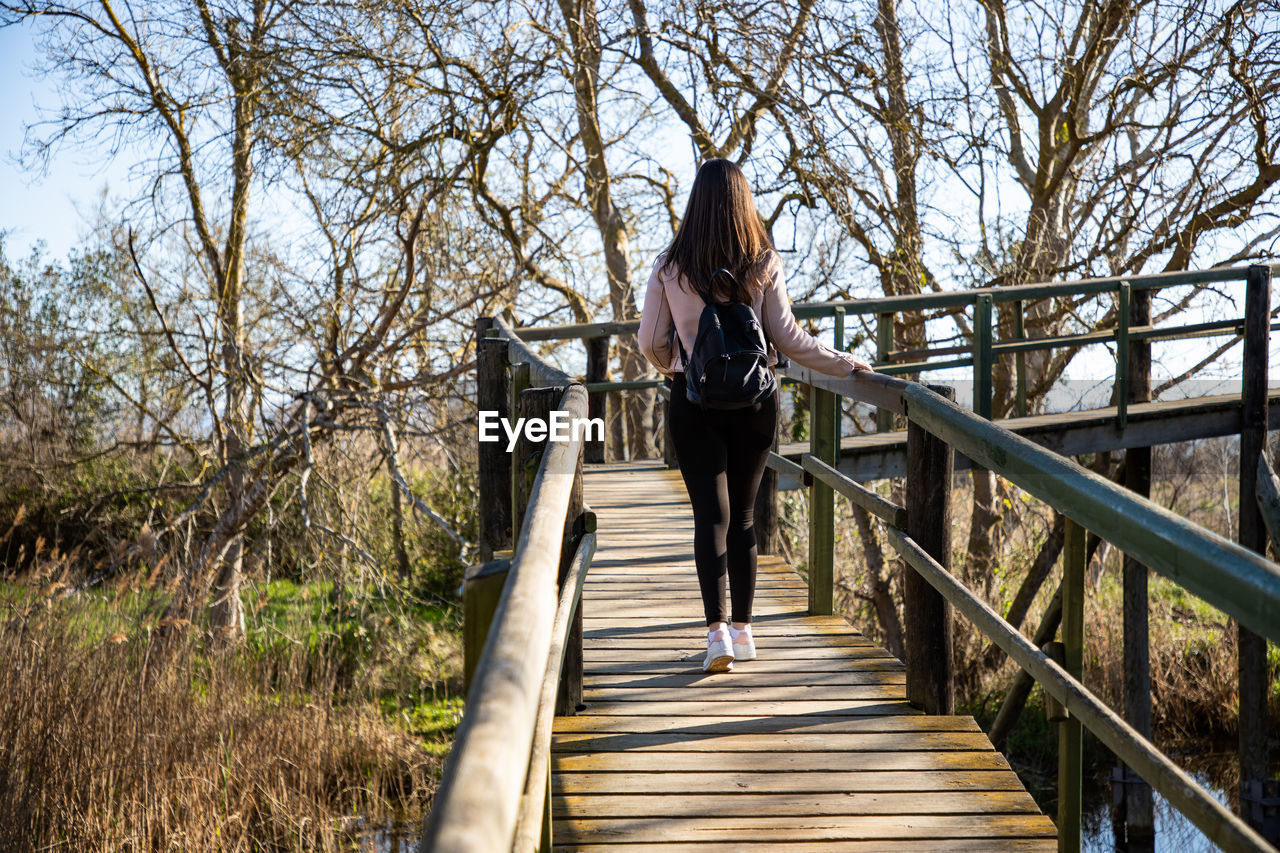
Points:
(53, 207)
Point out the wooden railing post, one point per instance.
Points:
(1020, 358)
(519, 478)
(927, 622)
(982, 355)
(668, 444)
(1070, 755)
(569, 697)
(1134, 377)
(824, 443)
(1123, 297)
(597, 371)
(481, 589)
(884, 346)
(493, 463)
(1252, 662)
(766, 510)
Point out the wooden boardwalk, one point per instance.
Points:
(811, 746)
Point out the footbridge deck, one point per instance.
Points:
(810, 746)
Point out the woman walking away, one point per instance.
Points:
(722, 252)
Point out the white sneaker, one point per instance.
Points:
(744, 645)
(719, 652)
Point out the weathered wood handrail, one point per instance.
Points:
(854, 491)
(541, 372)
(533, 828)
(477, 804)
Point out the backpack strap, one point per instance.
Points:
(684, 357)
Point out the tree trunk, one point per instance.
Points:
(878, 587)
(397, 528)
(584, 33)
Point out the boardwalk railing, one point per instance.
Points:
(1234, 579)
(494, 794)
(1132, 330)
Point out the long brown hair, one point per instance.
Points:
(721, 228)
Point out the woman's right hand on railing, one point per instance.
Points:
(858, 365)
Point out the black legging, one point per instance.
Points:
(722, 457)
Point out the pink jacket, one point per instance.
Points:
(670, 309)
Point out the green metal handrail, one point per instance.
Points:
(984, 350)
(1234, 579)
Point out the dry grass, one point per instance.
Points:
(101, 748)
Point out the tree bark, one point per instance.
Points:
(584, 35)
(878, 585)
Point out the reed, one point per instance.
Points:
(103, 748)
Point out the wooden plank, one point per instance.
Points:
(688, 609)
(759, 665)
(777, 647)
(654, 592)
(681, 695)
(779, 624)
(813, 724)
(795, 805)
(595, 742)
(739, 708)
(918, 845)
(663, 568)
(770, 583)
(778, 762)
(744, 676)
(746, 782)
(571, 830)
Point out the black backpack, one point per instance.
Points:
(729, 366)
